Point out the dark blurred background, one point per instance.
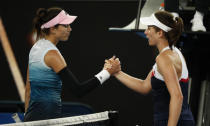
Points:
(89, 45)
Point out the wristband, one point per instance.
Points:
(102, 76)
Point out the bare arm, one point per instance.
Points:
(167, 69)
(138, 85)
(27, 91)
(55, 60)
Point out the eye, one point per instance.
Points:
(65, 25)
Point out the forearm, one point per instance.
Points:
(131, 82)
(80, 88)
(175, 107)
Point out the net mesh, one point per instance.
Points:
(107, 118)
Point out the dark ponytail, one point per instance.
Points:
(43, 16)
(38, 21)
(175, 23)
(175, 33)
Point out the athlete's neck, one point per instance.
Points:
(162, 44)
(52, 39)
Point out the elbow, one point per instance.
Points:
(142, 91)
(179, 97)
(77, 93)
(143, 88)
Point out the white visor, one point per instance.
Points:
(152, 20)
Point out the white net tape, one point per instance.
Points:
(66, 121)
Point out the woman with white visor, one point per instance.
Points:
(168, 79)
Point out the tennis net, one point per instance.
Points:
(107, 118)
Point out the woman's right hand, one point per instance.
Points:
(112, 65)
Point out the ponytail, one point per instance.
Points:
(38, 21)
(175, 33)
(175, 23)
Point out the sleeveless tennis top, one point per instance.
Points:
(45, 83)
(161, 95)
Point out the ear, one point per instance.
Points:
(161, 33)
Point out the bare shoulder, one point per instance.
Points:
(54, 60)
(52, 54)
(164, 63)
(163, 58)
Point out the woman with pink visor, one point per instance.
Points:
(47, 69)
(168, 79)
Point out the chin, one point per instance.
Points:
(151, 43)
(65, 39)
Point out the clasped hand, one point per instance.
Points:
(112, 65)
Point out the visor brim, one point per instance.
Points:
(68, 20)
(147, 21)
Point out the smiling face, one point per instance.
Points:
(152, 35)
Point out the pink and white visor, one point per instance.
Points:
(61, 18)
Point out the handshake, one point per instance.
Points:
(112, 65)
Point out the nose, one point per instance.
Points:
(145, 32)
(69, 28)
